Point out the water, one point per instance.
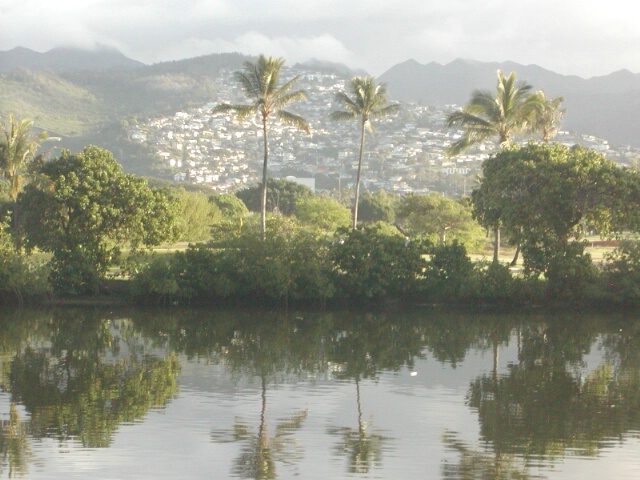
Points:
(141, 394)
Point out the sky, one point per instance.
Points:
(572, 37)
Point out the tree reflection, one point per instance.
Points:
(93, 375)
(544, 406)
(270, 349)
(361, 349)
(14, 446)
(363, 446)
(481, 464)
(259, 455)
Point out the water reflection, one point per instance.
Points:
(553, 387)
(547, 405)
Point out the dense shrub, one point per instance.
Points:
(376, 262)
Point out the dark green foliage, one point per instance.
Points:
(620, 279)
(377, 207)
(290, 264)
(20, 277)
(83, 209)
(376, 262)
(282, 196)
(450, 273)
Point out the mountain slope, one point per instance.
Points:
(66, 60)
(605, 106)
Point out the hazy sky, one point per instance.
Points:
(581, 37)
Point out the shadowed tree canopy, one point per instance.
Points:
(282, 196)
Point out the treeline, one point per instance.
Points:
(65, 233)
(280, 243)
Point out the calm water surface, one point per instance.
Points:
(141, 394)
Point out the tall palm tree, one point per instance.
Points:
(367, 101)
(260, 82)
(17, 151)
(510, 110)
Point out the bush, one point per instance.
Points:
(620, 280)
(450, 274)
(376, 262)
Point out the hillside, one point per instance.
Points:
(86, 97)
(80, 95)
(606, 106)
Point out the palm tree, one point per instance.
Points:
(260, 83)
(367, 101)
(548, 117)
(17, 151)
(512, 109)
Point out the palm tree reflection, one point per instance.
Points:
(481, 464)
(258, 457)
(363, 446)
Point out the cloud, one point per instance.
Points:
(570, 36)
(293, 49)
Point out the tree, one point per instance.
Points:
(85, 210)
(547, 196)
(17, 151)
(548, 117)
(196, 215)
(368, 101)
(378, 207)
(260, 82)
(438, 216)
(283, 196)
(323, 212)
(510, 110)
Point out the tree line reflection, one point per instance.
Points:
(76, 376)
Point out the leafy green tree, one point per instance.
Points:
(365, 102)
(439, 217)
(195, 215)
(283, 196)
(230, 205)
(84, 210)
(260, 82)
(17, 151)
(378, 207)
(546, 195)
(323, 212)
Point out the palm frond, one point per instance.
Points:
(242, 112)
(343, 115)
(288, 85)
(385, 111)
(280, 102)
(294, 120)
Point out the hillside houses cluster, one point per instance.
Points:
(405, 154)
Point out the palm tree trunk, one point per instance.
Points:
(355, 205)
(263, 196)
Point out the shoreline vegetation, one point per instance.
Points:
(484, 286)
(77, 230)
